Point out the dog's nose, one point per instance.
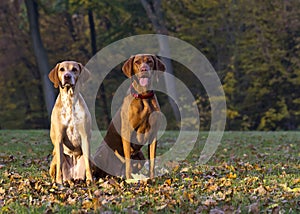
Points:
(143, 68)
(67, 76)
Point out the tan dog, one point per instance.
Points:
(133, 120)
(70, 124)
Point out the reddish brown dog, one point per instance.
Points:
(135, 124)
(70, 130)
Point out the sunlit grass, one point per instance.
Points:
(249, 170)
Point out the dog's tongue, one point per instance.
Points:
(144, 81)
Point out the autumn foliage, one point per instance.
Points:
(253, 46)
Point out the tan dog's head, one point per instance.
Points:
(66, 74)
(141, 68)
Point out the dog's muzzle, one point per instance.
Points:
(68, 80)
(143, 81)
(144, 78)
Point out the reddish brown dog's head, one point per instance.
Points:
(141, 67)
(66, 74)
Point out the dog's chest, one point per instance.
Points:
(145, 123)
(72, 115)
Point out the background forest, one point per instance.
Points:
(253, 45)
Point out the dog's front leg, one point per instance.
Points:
(59, 156)
(125, 133)
(86, 153)
(151, 155)
(126, 136)
(127, 150)
(52, 170)
(56, 135)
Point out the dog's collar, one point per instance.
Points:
(136, 95)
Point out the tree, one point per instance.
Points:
(40, 53)
(256, 55)
(21, 96)
(94, 51)
(154, 11)
(253, 45)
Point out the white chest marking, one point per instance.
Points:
(72, 116)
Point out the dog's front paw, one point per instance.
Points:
(151, 175)
(89, 178)
(89, 182)
(59, 180)
(128, 175)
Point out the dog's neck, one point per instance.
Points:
(142, 95)
(69, 90)
(69, 96)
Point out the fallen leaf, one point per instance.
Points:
(158, 208)
(185, 169)
(231, 175)
(296, 189)
(168, 182)
(139, 177)
(2, 190)
(260, 190)
(87, 204)
(296, 181)
(210, 202)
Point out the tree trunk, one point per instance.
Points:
(155, 14)
(94, 51)
(40, 54)
(92, 32)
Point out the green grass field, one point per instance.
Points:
(250, 172)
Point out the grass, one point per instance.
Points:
(249, 172)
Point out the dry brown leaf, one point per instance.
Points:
(210, 202)
(2, 190)
(296, 181)
(158, 208)
(168, 182)
(96, 204)
(261, 190)
(213, 188)
(87, 204)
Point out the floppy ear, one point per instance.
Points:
(53, 76)
(159, 65)
(128, 67)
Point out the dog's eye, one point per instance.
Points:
(137, 62)
(62, 69)
(74, 69)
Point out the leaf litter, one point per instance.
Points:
(229, 186)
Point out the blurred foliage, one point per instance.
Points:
(253, 45)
